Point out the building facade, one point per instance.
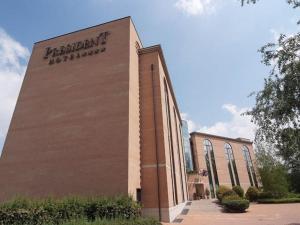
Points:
(97, 115)
(220, 161)
(187, 146)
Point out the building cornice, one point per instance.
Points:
(240, 140)
(157, 48)
(123, 18)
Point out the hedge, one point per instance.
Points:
(137, 221)
(221, 190)
(278, 201)
(238, 190)
(236, 205)
(252, 194)
(293, 195)
(265, 195)
(229, 193)
(56, 211)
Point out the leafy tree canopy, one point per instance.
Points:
(294, 3)
(277, 108)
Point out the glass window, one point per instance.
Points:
(231, 165)
(211, 167)
(250, 167)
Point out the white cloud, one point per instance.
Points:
(13, 57)
(237, 126)
(196, 7)
(191, 124)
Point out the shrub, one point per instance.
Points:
(282, 200)
(269, 194)
(278, 194)
(56, 211)
(221, 190)
(238, 190)
(293, 195)
(264, 195)
(252, 194)
(235, 205)
(230, 197)
(229, 193)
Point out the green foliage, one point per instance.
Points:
(23, 211)
(235, 205)
(293, 195)
(273, 174)
(281, 200)
(228, 193)
(231, 197)
(265, 195)
(233, 202)
(238, 190)
(252, 194)
(294, 180)
(277, 109)
(221, 190)
(137, 221)
(294, 3)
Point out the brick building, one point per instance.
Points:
(220, 161)
(97, 115)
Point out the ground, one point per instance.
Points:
(206, 212)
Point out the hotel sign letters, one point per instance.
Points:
(77, 49)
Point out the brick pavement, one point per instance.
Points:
(206, 212)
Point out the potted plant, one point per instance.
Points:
(207, 193)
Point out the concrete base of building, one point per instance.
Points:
(167, 214)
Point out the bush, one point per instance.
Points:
(252, 194)
(230, 197)
(293, 195)
(221, 190)
(276, 195)
(229, 193)
(282, 200)
(55, 211)
(238, 190)
(235, 205)
(264, 195)
(138, 221)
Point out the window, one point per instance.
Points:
(171, 149)
(139, 195)
(250, 167)
(231, 165)
(211, 167)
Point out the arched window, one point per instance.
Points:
(231, 165)
(249, 165)
(211, 167)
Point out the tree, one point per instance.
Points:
(277, 108)
(272, 172)
(294, 3)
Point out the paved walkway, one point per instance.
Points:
(206, 212)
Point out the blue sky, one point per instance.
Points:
(210, 48)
